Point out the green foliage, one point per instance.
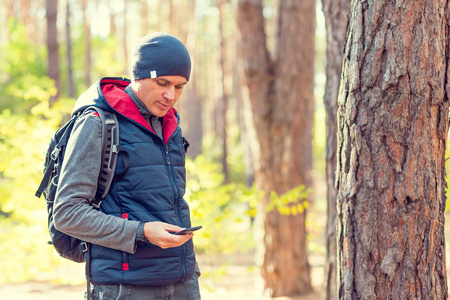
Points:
(226, 211)
(22, 72)
(222, 210)
(290, 202)
(21, 57)
(104, 61)
(23, 233)
(26, 123)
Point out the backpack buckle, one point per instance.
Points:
(96, 203)
(55, 153)
(84, 247)
(186, 144)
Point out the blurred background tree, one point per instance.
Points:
(281, 92)
(336, 19)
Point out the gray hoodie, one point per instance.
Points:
(77, 187)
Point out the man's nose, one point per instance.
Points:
(170, 94)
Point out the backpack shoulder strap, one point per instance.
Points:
(110, 150)
(59, 141)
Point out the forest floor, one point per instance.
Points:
(236, 280)
(224, 278)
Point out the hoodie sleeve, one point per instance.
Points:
(77, 187)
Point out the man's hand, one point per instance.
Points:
(158, 234)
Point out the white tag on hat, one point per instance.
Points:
(153, 74)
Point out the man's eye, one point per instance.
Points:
(179, 87)
(161, 83)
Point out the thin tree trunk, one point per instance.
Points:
(25, 18)
(173, 16)
(184, 19)
(392, 131)
(336, 16)
(70, 82)
(192, 115)
(37, 29)
(87, 42)
(53, 47)
(144, 17)
(281, 91)
(248, 135)
(158, 16)
(222, 107)
(112, 20)
(193, 106)
(10, 13)
(124, 38)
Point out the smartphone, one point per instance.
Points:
(188, 230)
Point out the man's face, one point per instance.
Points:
(159, 94)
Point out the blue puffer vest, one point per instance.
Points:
(152, 190)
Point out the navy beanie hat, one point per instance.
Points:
(160, 54)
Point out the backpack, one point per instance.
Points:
(67, 246)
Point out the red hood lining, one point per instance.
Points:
(113, 91)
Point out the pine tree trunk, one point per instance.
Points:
(247, 130)
(10, 9)
(192, 112)
(191, 106)
(222, 107)
(336, 14)
(158, 15)
(70, 80)
(144, 18)
(281, 93)
(112, 19)
(87, 42)
(26, 19)
(392, 131)
(124, 38)
(53, 47)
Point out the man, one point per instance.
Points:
(133, 251)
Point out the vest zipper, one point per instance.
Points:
(167, 157)
(177, 211)
(169, 167)
(183, 257)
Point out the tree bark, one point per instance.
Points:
(124, 38)
(222, 107)
(87, 42)
(26, 19)
(193, 105)
(247, 130)
(112, 19)
(53, 47)
(144, 17)
(336, 14)
(70, 80)
(10, 13)
(280, 92)
(392, 131)
(158, 15)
